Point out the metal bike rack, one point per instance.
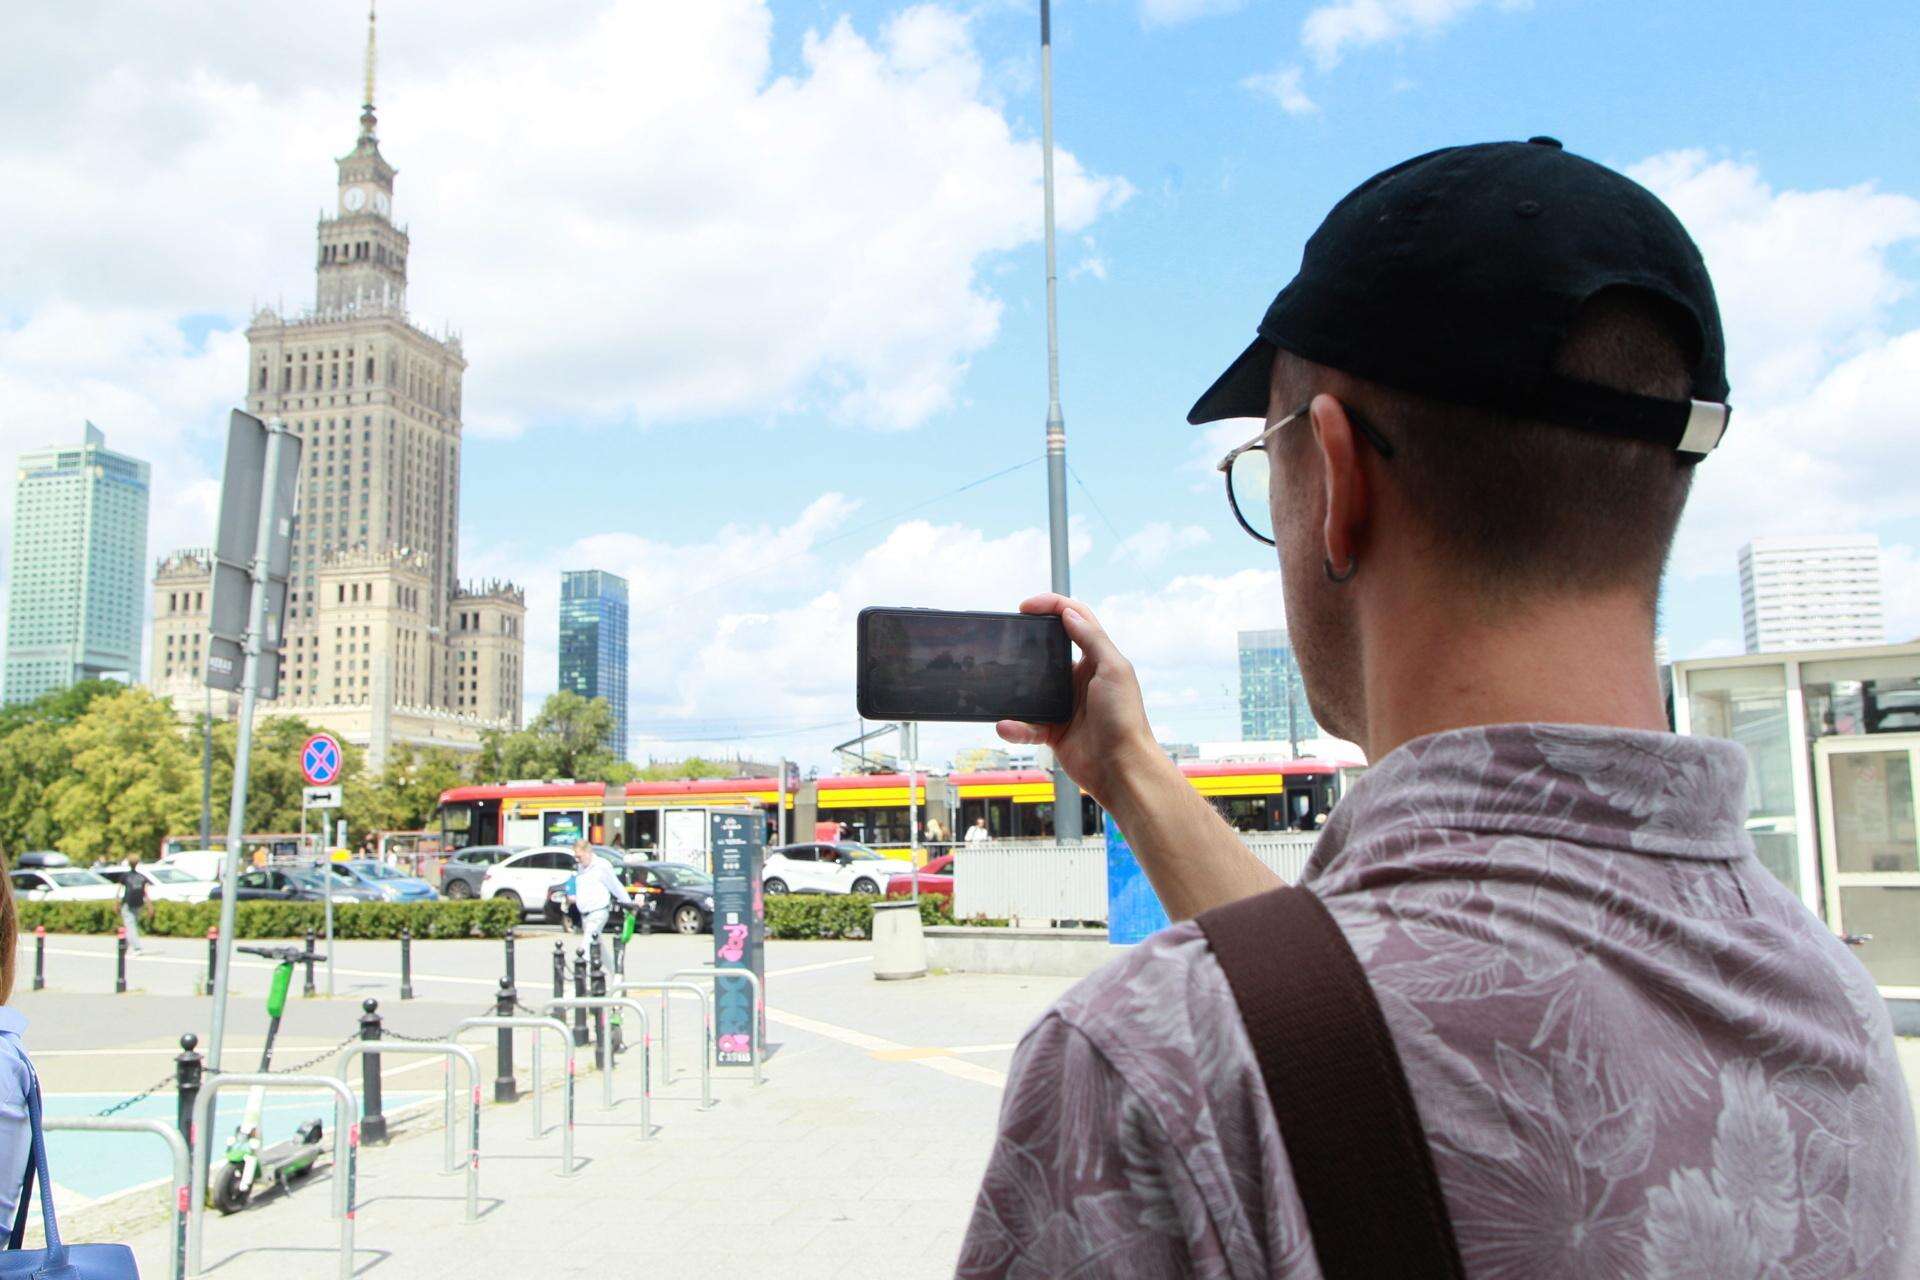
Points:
(666, 1031)
(606, 1049)
(182, 1167)
(448, 1051)
(345, 1130)
(537, 1025)
(755, 1048)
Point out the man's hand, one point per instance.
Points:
(1109, 733)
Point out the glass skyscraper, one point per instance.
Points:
(75, 597)
(1273, 697)
(593, 643)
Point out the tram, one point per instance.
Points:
(669, 819)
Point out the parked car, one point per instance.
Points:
(462, 873)
(527, 878)
(42, 858)
(674, 895)
(935, 877)
(164, 883)
(391, 885)
(828, 868)
(64, 884)
(202, 864)
(295, 884)
(559, 905)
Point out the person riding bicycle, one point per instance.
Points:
(596, 888)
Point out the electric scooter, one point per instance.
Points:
(247, 1161)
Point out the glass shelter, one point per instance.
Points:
(1833, 740)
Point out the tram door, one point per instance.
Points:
(1870, 850)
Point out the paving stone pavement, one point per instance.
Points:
(859, 1156)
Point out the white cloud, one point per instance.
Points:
(1167, 13)
(1330, 30)
(1822, 393)
(1283, 86)
(1155, 542)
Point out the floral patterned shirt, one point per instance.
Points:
(1634, 1052)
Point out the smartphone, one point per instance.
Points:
(932, 664)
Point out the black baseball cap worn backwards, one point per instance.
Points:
(1456, 275)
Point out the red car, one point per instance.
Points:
(935, 877)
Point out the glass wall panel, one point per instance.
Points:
(1748, 705)
(1893, 956)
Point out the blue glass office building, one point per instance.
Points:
(593, 643)
(1273, 697)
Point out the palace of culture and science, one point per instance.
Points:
(383, 643)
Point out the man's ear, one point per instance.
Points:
(1344, 480)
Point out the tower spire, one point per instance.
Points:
(366, 103)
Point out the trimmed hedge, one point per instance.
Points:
(468, 919)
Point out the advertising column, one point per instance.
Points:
(739, 930)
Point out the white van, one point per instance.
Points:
(201, 864)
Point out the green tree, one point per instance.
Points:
(33, 757)
(566, 740)
(405, 794)
(129, 780)
(691, 767)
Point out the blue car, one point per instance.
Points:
(391, 885)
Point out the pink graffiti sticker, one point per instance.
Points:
(740, 1044)
(735, 946)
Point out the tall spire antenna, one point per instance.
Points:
(366, 103)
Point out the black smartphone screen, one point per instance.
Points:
(929, 664)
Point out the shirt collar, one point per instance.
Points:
(1629, 789)
(12, 1021)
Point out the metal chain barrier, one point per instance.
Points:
(141, 1096)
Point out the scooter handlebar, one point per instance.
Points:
(286, 955)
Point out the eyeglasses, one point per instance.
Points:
(1249, 473)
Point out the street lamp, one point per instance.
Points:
(1066, 795)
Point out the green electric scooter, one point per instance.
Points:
(248, 1162)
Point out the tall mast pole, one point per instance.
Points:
(1066, 795)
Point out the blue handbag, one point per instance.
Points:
(57, 1261)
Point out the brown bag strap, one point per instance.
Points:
(1360, 1160)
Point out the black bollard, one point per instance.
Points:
(120, 962)
(310, 988)
(373, 1125)
(603, 1046)
(187, 1072)
(213, 955)
(513, 979)
(39, 957)
(620, 953)
(580, 1013)
(504, 1089)
(559, 971)
(406, 963)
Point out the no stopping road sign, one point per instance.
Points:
(320, 759)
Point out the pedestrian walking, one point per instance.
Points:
(978, 831)
(596, 887)
(133, 900)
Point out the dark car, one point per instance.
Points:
(461, 875)
(678, 897)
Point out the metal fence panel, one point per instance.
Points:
(1042, 880)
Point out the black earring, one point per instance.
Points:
(1353, 566)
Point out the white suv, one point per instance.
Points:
(828, 868)
(525, 878)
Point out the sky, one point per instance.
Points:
(752, 291)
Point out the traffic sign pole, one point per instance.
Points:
(279, 441)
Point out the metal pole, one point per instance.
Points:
(277, 441)
(780, 811)
(206, 773)
(326, 884)
(1066, 794)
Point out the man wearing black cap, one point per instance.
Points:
(1536, 1009)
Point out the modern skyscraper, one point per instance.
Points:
(78, 572)
(593, 643)
(1811, 592)
(1273, 698)
(378, 624)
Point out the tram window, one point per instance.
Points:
(1243, 813)
(1033, 819)
(643, 828)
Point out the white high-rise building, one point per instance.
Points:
(1811, 592)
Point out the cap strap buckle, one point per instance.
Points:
(1706, 424)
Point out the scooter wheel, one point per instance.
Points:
(228, 1195)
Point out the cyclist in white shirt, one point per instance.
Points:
(596, 887)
